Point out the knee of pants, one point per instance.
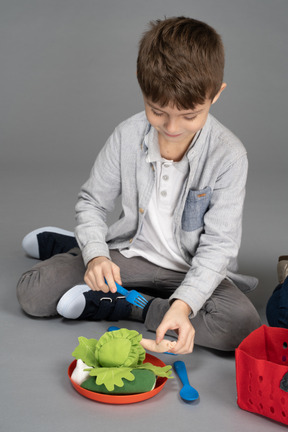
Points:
(32, 295)
(223, 325)
(40, 289)
(238, 325)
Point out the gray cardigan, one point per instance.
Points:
(208, 217)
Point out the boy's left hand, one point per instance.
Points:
(177, 319)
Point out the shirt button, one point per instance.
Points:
(131, 240)
(141, 210)
(165, 177)
(163, 193)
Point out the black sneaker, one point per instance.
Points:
(45, 242)
(82, 303)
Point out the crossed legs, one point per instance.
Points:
(225, 320)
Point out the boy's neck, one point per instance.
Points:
(171, 151)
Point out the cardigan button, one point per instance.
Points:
(141, 210)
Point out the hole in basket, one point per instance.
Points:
(260, 378)
(284, 358)
(283, 414)
(285, 345)
(272, 410)
(250, 388)
(261, 406)
(251, 402)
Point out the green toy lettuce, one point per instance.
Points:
(114, 356)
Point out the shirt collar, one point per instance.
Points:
(153, 152)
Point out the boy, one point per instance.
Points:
(181, 176)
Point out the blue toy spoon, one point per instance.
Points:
(187, 393)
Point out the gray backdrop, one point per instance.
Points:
(68, 77)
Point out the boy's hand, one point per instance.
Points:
(177, 318)
(98, 269)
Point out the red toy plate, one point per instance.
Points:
(121, 399)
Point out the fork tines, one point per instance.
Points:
(140, 301)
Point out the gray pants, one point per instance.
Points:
(224, 321)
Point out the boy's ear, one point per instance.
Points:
(223, 86)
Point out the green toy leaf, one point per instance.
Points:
(144, 381)
(86, 351)
(114, 356)
(111, 377)
(120, 348)
(164, 371)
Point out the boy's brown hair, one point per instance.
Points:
(180, 62)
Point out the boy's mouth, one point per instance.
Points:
(172, 135)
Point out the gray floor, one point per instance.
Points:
(66, 69)
(36, 394)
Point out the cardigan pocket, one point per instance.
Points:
(196, 205)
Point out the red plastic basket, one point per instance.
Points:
(261, 364)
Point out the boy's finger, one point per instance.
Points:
(116, 274)
(90, 281)
(184, 344)
(100, 284)
(110, 283)
(160, 333)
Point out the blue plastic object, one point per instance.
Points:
(187, 393)
(132, 296)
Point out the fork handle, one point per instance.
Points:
(120, 289)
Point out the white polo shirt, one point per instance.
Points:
(156, 241)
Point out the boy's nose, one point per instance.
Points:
(171, 126)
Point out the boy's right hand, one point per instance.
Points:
(98, 269)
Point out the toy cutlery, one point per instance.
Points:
(187, 393)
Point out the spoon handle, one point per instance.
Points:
(180, 369)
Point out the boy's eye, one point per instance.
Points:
(190, 118)
(159, 114)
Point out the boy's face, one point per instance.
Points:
(176, 128)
